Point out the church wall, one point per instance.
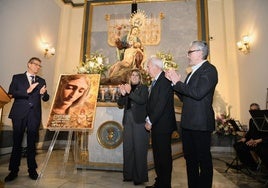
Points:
(242, 78)
(251, 17)
(223, 55)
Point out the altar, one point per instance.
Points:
(104, 150)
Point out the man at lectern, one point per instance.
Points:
(27, 89)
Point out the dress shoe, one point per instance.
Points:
(151, 186)
(237, 167)
(33, 175)
(126, 180)
(137, 183)
(11, 176)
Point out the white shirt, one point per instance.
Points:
(29, 77)
(194, 68)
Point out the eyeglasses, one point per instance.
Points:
(37, 65)
(191, 51)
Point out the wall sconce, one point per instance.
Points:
(243, 45)
(48, 50)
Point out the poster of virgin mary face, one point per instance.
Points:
(75, 101)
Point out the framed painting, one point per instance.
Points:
(74, 104)
(164, 27)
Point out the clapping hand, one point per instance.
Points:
(32, 86)
(127, 88)
(43, 90)
(172, 76)
(122, 89)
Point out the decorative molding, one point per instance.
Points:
(75, 3)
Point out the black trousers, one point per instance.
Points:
(244, 155)
(161, 144)
(31, 124)
(196, 149)
(262, 152)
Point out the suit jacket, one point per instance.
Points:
(160, 106)
(24, 101)
(197, 98)
(138, 103)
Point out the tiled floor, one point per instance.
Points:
(103, 179)
(242, 178)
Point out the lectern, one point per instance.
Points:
(4, 99)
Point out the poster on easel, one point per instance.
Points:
(74, 103)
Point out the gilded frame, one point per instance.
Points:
(90, 6)
(190, 15)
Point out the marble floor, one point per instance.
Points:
(73, 178)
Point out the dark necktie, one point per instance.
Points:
(151, 86)
(32, 79)
(153, 83)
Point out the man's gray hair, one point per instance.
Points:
(156, 61)
(201, 45)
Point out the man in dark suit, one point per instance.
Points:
(27, 89)
(161, 122)
(197, 118)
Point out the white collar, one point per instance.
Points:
(195, 67)
(157, 76)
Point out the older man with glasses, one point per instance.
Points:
(197, 118)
